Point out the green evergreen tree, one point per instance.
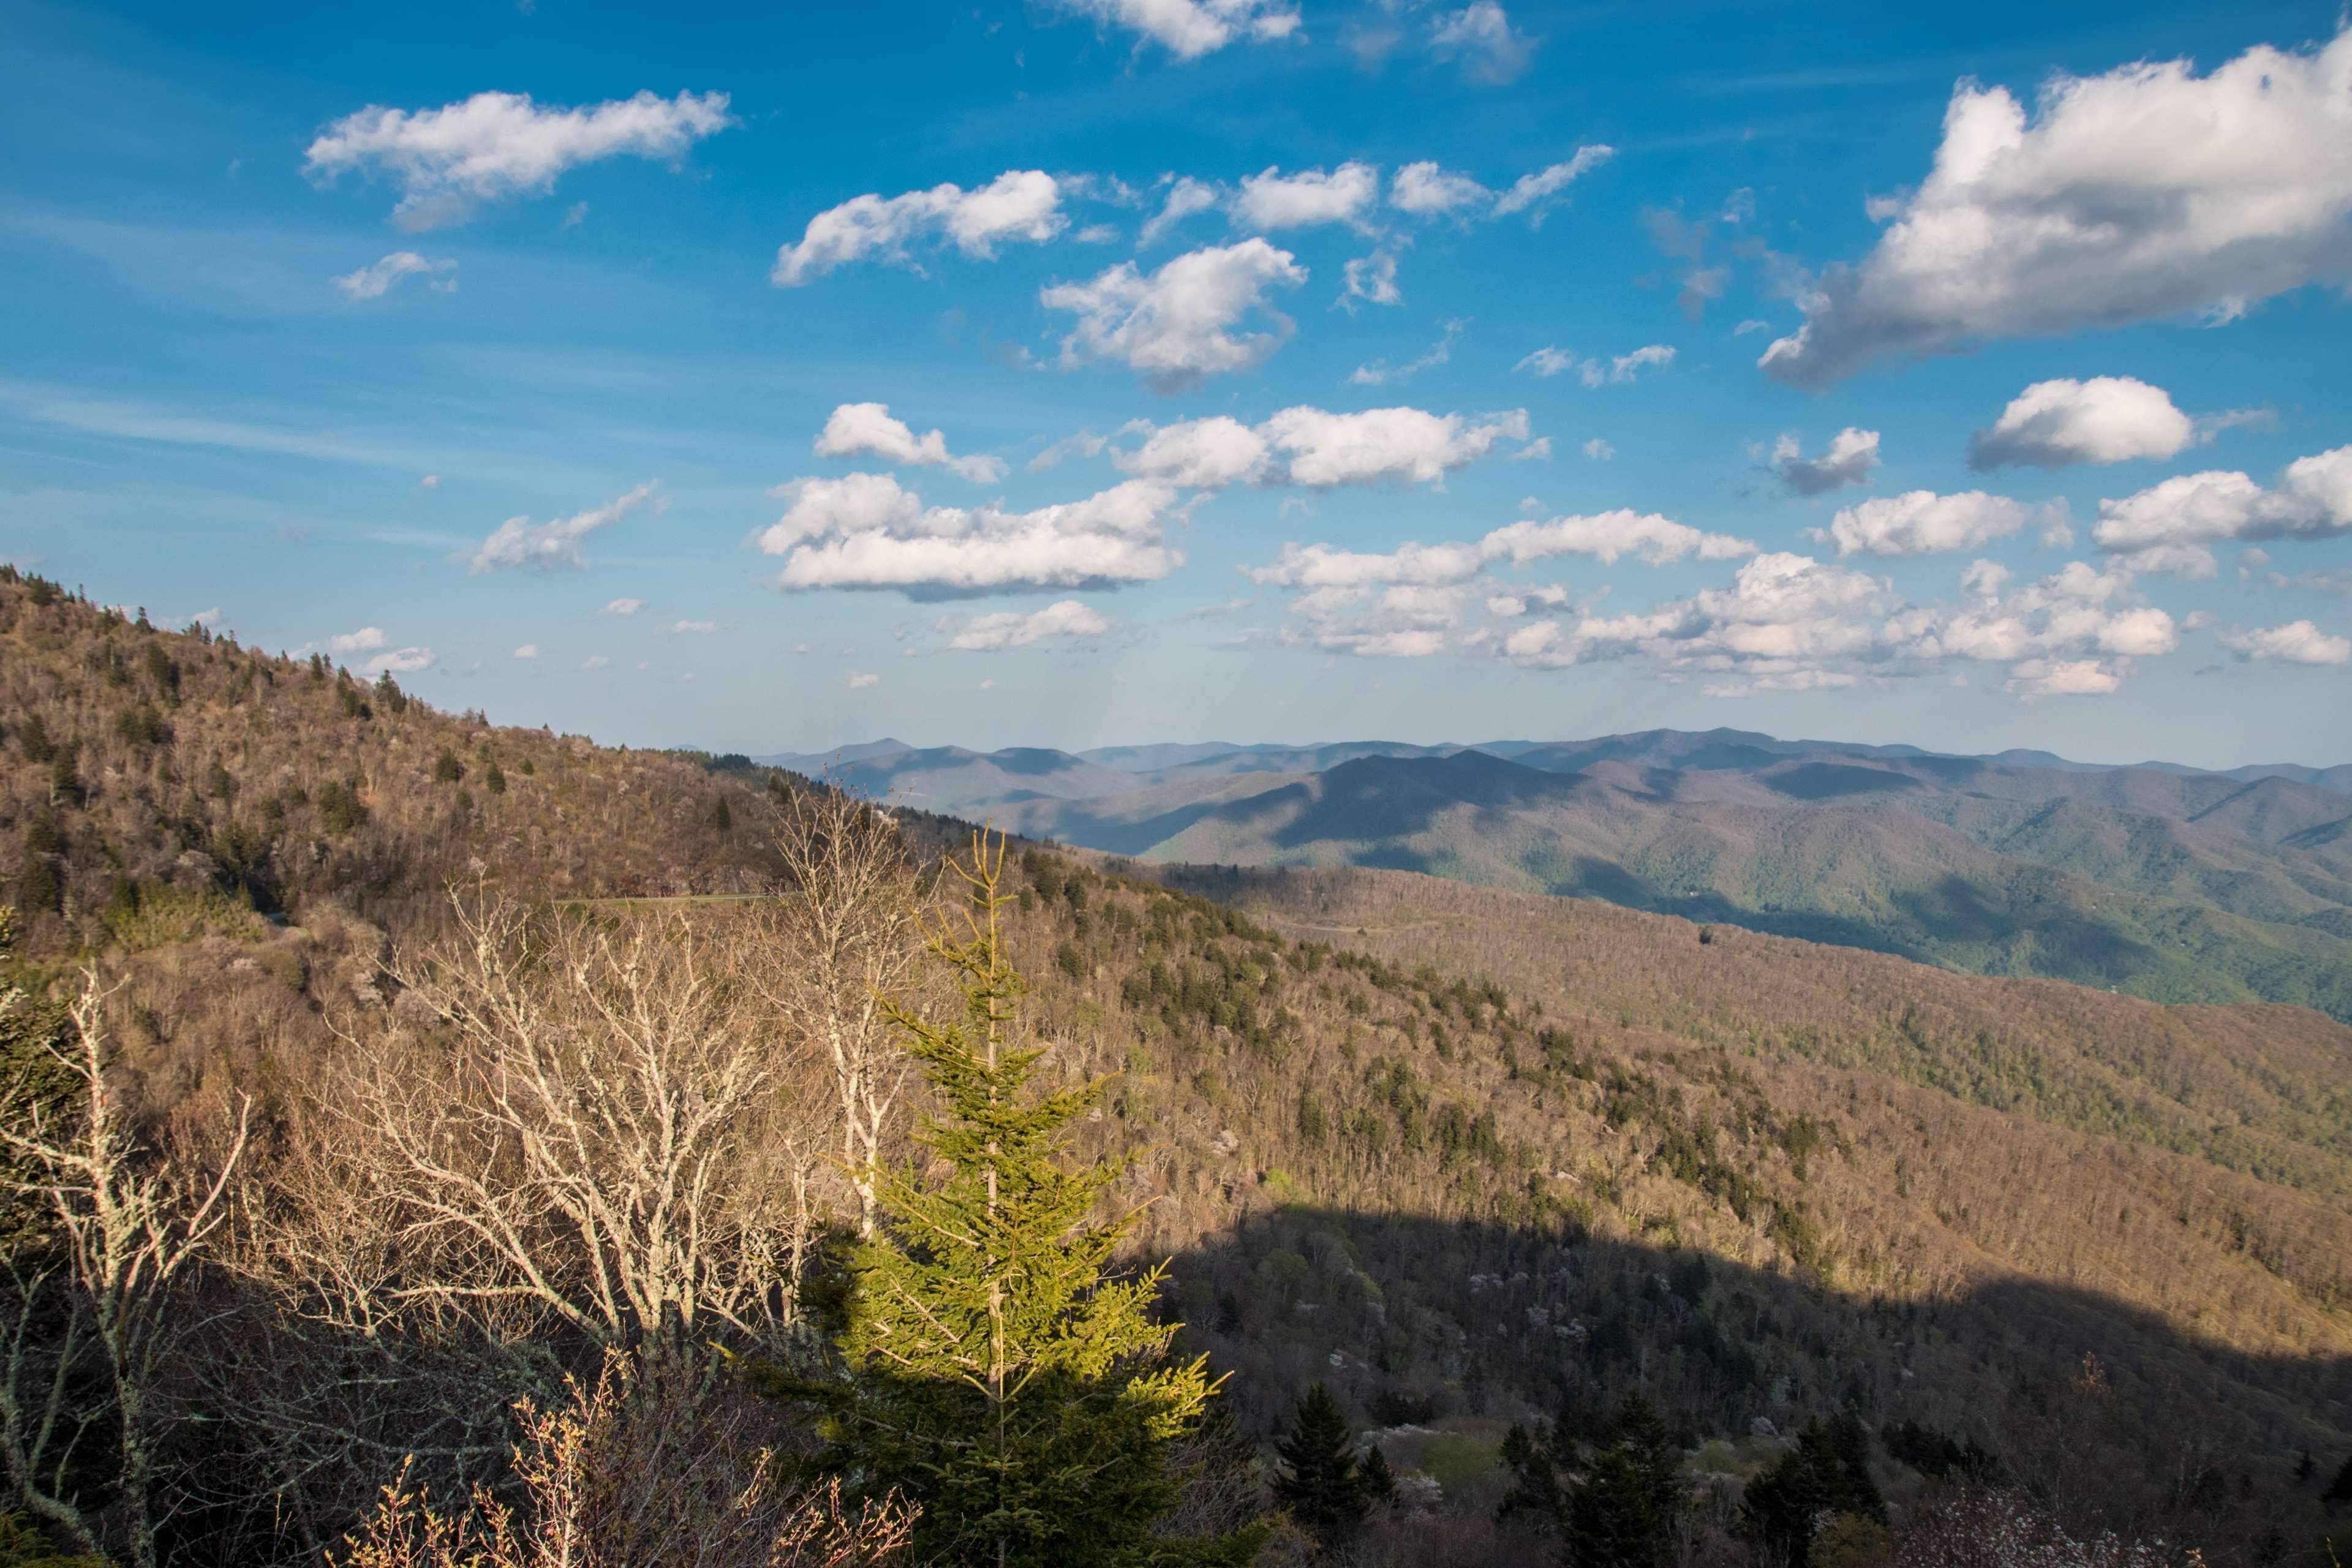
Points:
(2340, 1488)
(993, 1371)
(1380, 1483)
(1828, 1473)
(1623, 1512)
(1321, 1482)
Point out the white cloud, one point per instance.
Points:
(1201, 454)
(2063, 677)
(2312, 499)
(1599, 450)
(1531, 193)
(1010, 629)
(1921, 523)
(1401, 445)
(1019, 205)
(496, 145)
(623, 607)
(595, 661)
(1784, 618)
(687, 628)
(1178, 326)
(1186, 196)
(1607, 537)
(2107, 420)
(1312, 447)
(1190, 28)
(1272, 200)
(867, 427)
(1425, 190)
(1482, 37)
(2147, 192)
(1372, 278)
(429, 482)
(575, 215)
(399, 661)
(1380, 373)
(1852, 457)
(518, 542)
(859, 679)
(1550, 361)
(1750, 325)
(864, 531)
(529, 650)
(378, 278)
(367, 639)
(2297, 642)
(1610, 535)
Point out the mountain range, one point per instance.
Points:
(2165, 881)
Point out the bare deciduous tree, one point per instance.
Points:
(844, 936)
(626, 1474)
(88, 1314)
(590, 1138)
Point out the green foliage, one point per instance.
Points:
(340, 808)
(39, 889)
(1827, 1473)
(155, 916)
(22, 1546)
(2340, 1488)
(448, 769)
(1321, 1481)
(1933, 1453)
(992, 1369)
(1612, 1500)
(32, 739)
(141, 726)
(494, 778)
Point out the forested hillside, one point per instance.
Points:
(1464, 1160)
(2166, 882)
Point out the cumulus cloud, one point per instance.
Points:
(2147, 192)
(858, 428)
(1481, 38)
(1010, 629)
(1921, 523)
(594, 662)
(1599, 450)
(378, 278)
(1190, 28)
(865, 531)
(367, 639)
(2063, 677)
(518, 542)
(689, 628)
(1181, 324)
(528, 651)
(2297, 642)
(1606, 537)
(623, 607)
(1851, 457)
(1020, 206)
(496, 145)
(1783, 616)
(399, 661)
(1272, 200)
(1186, 196)
(1315, 447)
(1425, 190)
(1371, 278)
(2107, 420)
(2312, 499)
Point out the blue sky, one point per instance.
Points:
(1970, 378)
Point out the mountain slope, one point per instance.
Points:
(2176, 888)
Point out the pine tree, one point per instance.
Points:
(1319, 1481)
(2340, 1488)
(1827, 1472)
(993, 1371)
(1623, 1512)
(1380, 1483)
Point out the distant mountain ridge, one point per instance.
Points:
(2171, 882)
